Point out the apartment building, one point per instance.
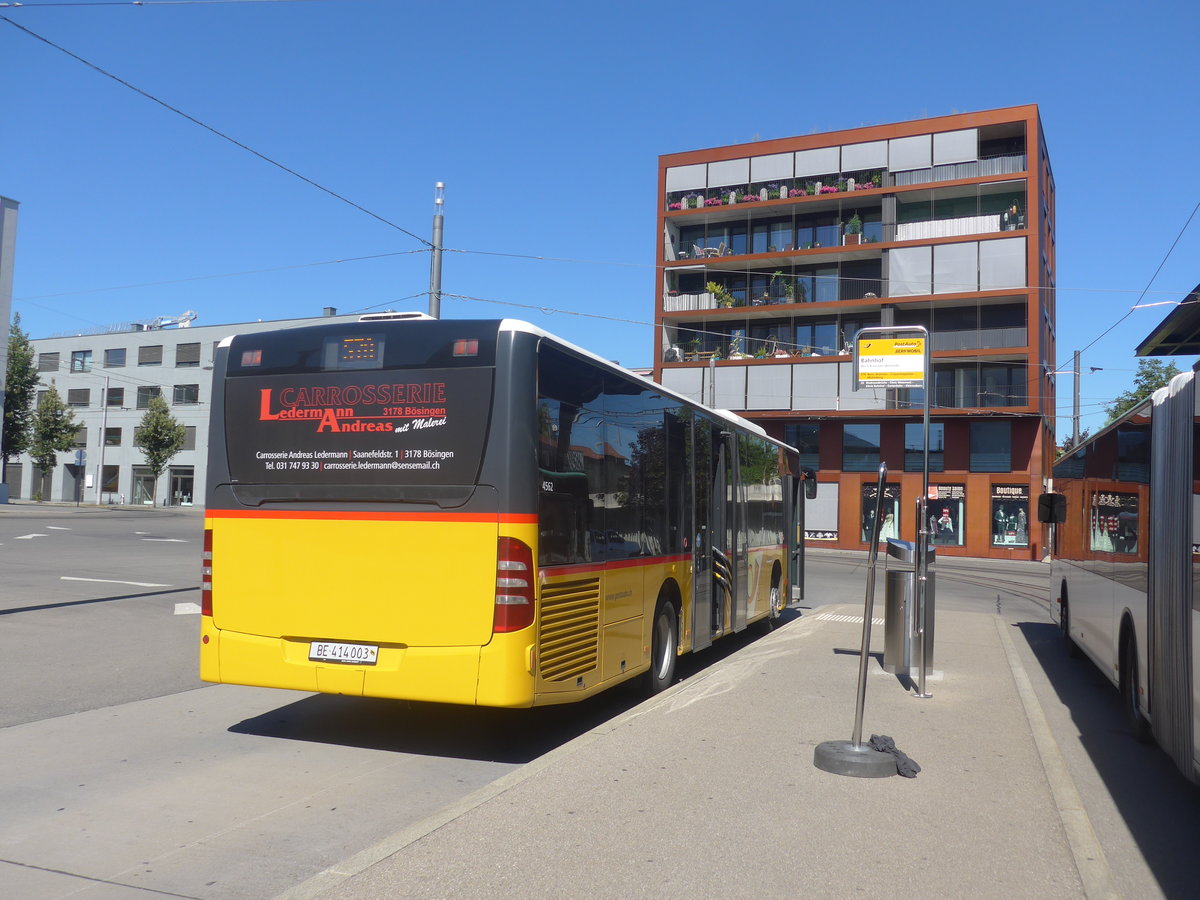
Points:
(108, 379)
(773, 254)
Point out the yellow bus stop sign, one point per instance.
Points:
(890, 362)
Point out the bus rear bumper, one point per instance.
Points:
(426, 674)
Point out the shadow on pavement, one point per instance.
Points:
(1160, 807)
(464, 732)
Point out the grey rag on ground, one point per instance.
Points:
(904, 766)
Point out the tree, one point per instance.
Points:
(159, 436)
(20, 390)
(54, 430)
(1151, 375)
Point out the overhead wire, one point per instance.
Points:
(217, 132)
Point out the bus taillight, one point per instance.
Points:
(206, 576)
(514, 586)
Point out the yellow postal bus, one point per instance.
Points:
(476, 512)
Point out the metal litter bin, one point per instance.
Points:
(901, 655)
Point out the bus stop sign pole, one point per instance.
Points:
(853, 757)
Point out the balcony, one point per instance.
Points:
(1010, 164)
(784, 189)
(779, 290)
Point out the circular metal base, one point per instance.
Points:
(843, 758)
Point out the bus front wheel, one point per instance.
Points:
(664, 643)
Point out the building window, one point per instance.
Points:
(110, 480)
(947, 514)
(914, 447)
(79, 396)
(115, 397)
(81, 360)
(860, 448)
(991, 446)
(187, 355)
(889, 510)
(81, 437)
(47, 362)
(189, 437)
(150, 356)
(144, 394)
(115, 358)
(186, 393)
(41, 398)
(804, 438)
(112, 437)
(1010, 515)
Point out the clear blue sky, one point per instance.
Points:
(545, 121)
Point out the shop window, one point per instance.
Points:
(946, 515)
(1010, 515)
(889, 508)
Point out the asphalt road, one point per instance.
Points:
(125, 776)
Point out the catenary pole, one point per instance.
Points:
(435, 266)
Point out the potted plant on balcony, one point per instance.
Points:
(853, 233)
(720, 294)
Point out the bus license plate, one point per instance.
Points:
(355, 654)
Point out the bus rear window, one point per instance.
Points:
(415, 426)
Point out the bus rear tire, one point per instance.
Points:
(1129, 688)
(664, 644)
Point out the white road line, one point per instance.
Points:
(141, 532)
(26, 537)
(113, 581)
(187, 609)
(57, 528)
(167, 540)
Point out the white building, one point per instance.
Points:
(108, 379)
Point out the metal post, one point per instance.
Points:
(868, 610)
(1075, 408)
(923, 531)
(103, 429)
(435, 266)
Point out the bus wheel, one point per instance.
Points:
(664, 642)
(1064, 624)
(1129, 689)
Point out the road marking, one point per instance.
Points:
(57, 528)
(187, 609)
(113, 581)
(853, 620)
(167, 540)
(26, 537)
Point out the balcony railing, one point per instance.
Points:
(786, 290)
(995, 165)
(782, 189)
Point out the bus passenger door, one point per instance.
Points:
(700, 437)
(738, 539)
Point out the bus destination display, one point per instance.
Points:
(399, 427)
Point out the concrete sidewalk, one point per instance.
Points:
(710, 790)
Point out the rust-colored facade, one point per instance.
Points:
(773, 254)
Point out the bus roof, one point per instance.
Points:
(733, 418)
